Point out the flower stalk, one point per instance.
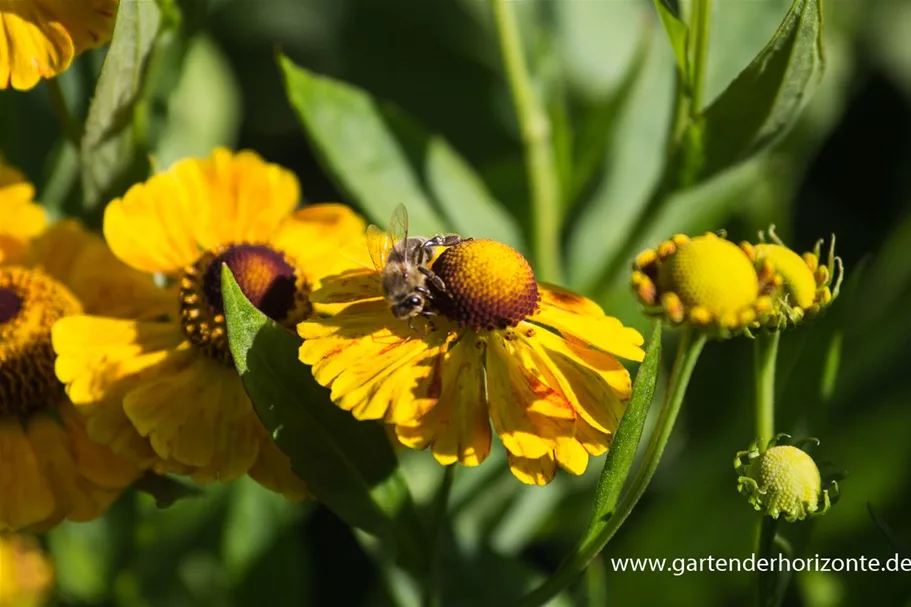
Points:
(70, 125)
(540, 162)
(765, 357)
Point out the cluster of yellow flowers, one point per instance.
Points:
(106, 371)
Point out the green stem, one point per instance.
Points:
(540, 162)
(766, 355)
(700, 27)
(688, 102)
(72, 127)
(437, 522)
(688, 350)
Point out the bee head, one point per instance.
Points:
(408, 306)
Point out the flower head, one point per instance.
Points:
(533, 360)
(26, 575)
(49, 468)
(40, 38)
(707, 281)
(782, 480)
(164, 391)
(797, 285)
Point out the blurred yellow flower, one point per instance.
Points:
(165, 393)
(536, 361)
(40, 38)
(26, 576)
(49, 469)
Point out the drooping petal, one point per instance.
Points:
(533, 471)
(32, 46)
(193, 416)
(75, 497)
(88, 22)
(566, 300)
(457, 427)
(25, 495)
(527, 414)
(94, 461)
(594, 386)
(602, 332)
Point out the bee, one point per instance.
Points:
(402, 262)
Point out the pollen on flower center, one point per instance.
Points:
(30, 303)
(265, 276)
(488, 285)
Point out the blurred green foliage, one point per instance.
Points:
(606, 72)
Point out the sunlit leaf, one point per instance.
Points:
(347, 464)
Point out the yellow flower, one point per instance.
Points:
(165, 392)
(535, 361)
(706, 281)
(49, 468)
(26, 575)
(40, 38)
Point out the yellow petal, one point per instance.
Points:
(571, 455)
(88, 22)
(314, 235)
(95, 462)
(273, 471)
(603, 332)
(25, 495)
(533, 471)
(563, 299)
(457, 427)
(589, 384)
(199, 416)
(101, 282)
(32, 46)
(23, 220)
(527, 414)
(76, 497)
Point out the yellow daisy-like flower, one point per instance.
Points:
(26, 575)
(535, 361)
(49, 468)
(165, 392)
(40, 38)
(707, 281)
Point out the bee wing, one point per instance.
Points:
(398, 224)
(379, 243)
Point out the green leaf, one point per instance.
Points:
(348, 465)
(619, 459)
(383, 157)
(165, 489)
(677, 34)
(108, 146)
(203, 108)
(761, 104)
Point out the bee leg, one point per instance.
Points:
(424, 291)
(433, 278)
(441, 240)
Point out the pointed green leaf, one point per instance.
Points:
(108, 145)
(762, 103)
(619, 459)
(677, 33)
(348, 465)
